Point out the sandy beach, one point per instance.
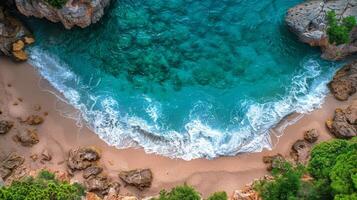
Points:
(21, 89)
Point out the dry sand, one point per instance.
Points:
(58, 134)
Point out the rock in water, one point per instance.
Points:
(73, 13)
(344, 83)
(14, 36)
(82, 158)
(308, 21)
(27, 137)
(5, 126)
(139, 178)
(344, 124)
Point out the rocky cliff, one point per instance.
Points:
(80, 13)
(308, 21)
(14, 36)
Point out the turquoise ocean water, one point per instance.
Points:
(184, 78)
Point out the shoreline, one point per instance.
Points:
(59, 133)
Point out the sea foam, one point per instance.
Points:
(197, 140)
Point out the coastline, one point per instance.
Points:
(59, 134)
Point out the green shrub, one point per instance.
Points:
(184, 192)
(218, 196)
(339, 32)
(323, 157)
(285, 186)
(349, 22)
(57, 3)
(346, 197)
(46, 175)
(44, 186)
(343, 174)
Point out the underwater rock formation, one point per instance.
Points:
(308, 21)
(72, 13)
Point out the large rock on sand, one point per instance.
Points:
(344, 83)
(14, 36)
(5, 126)
(9, 164)
(308, 21)
(98, 184)
(82, 158)
(73, 13)
(311, 135)
(139, 178)
(27, 137)
(344, 123)
(300, 151)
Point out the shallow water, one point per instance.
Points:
(184, 78)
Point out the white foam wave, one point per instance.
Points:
(199, 139)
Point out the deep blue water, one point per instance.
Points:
(184, 78)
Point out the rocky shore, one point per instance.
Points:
(33, 136)
(308, 21)
(14, 36)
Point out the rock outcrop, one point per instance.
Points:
(311, 136)
(5, 126)
(308, 21)
(300, 151)
(9, 164)
(73, 13)
(273, 162)
(82, 158)
(27, 137)
(14, 36)
(344, 83)
(139, 178)
(344, 123)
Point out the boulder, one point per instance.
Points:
(301, 151)
(308, 21)
(344, 123)
(92, 196)
(98, 184)
(82, 158)
(5, 126)
(46, 156)
(139, 178)
(247, 193)
(274, 162)
(73, 13)
(27, 137)
(311, 136)
(34, 120)
(344, 83)
(9, 164)
(92, 171)
(13, 36)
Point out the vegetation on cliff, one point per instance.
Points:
(57, 3)
(44, 186)
(333, 167)
(339, 32)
